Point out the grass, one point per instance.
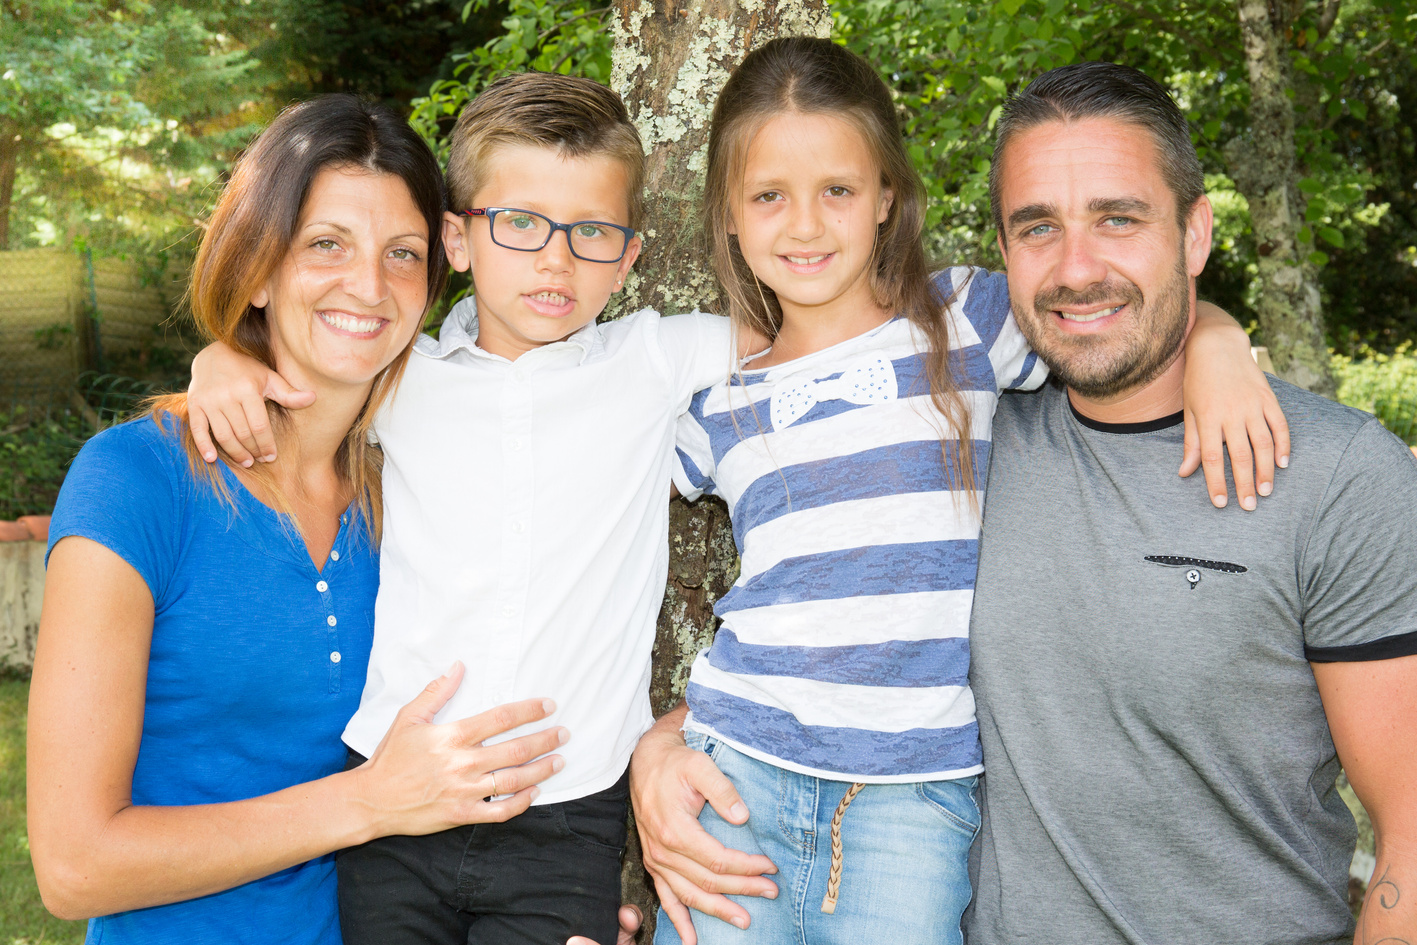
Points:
(23, 919)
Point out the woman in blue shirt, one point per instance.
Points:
(206, 629)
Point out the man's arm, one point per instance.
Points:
(669, 783)
(1372, 712)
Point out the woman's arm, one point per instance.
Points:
(96, 853)
(1229, 405)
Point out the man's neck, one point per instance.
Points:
(1153, 401)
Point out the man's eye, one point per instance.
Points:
(1118, 221)
(1039, 230)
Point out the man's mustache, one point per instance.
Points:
(1123, 292)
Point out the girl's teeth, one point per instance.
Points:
(359, 326)
(554, 298)
(808, 260)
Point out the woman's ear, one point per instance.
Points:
(261, 298)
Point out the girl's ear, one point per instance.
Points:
(886, 202)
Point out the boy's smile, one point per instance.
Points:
(529, 299)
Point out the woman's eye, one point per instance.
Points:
(403, 253)
(325, 243)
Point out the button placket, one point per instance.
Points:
(332, 643)
(518, 475)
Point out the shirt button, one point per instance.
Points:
(517, 527)
(335, 657)
(322, 587)
(330, 620)
(508, 611)
(334, 555)
(516, 445)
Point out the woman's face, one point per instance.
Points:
(353, 286)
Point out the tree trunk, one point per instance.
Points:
(670, 61)
(1264, 167)
(9, 162)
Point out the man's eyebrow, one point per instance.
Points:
(1031, 212)
(1121, 206)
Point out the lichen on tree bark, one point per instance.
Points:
(1264, 167)
(669, 62)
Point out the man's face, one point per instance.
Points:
(529, 299)
(1101, 276)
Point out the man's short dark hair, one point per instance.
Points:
(1103, 90)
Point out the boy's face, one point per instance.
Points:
(529, 299)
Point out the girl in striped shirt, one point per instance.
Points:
(852, 455)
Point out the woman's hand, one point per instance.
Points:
(425, 777)
(226, 400)
(1230, 405)
(669, 784)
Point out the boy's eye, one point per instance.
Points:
(521, 221)
(590, 231)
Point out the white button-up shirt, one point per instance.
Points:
(526, 528)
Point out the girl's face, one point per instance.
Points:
(807, 214)
(351, 290)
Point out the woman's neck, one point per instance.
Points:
(312, 436)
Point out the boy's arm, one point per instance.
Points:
(226, 402)
(1229, 405)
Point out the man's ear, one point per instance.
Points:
(455, 242)
(1200, 224)
(1003, 247)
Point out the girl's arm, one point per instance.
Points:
(226, 401)
(96, 853)
(1229, 405)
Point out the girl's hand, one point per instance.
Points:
(425, 777)
(1230, 405)
(227, 401)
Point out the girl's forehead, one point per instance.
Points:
(801, 145)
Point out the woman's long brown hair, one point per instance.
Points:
(818, 77)
(248, 236)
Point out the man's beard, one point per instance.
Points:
(1127, 357)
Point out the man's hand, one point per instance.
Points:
(669, 784)
(630, 920)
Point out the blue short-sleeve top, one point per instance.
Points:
(258, 661)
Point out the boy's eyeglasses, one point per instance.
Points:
(527, 232)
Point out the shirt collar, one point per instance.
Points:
(459, 333)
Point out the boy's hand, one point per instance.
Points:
(669, 784)
(1230, 405)
(630, 920)
(226, 401)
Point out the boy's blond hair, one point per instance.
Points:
(578, 117)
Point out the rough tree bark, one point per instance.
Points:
(1265, 169)
(9, 162)
(670, 61)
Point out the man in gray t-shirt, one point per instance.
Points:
(1165, 691)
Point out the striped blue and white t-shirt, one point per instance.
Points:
(844, 649)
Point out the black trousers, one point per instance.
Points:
(537, 879)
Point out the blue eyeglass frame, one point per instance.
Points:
(491, 213)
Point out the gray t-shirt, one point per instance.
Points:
(1159, 766)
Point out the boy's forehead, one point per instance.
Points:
(544, 179)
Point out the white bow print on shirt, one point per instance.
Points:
(870, 381)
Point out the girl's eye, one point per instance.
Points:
(771, 196)
(838, 191)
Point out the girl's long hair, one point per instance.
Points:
(818, 77)
(247, 239)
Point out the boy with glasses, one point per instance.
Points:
(526, 484)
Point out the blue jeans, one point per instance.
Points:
(905, 852)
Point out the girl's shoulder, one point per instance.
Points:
(976, 301)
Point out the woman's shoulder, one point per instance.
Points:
(136, 449)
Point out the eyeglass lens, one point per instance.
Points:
(519, 229)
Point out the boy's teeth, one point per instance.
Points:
(1094, 316)
(554, 298)
(349, 323)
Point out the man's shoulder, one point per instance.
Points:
(1322, 430)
